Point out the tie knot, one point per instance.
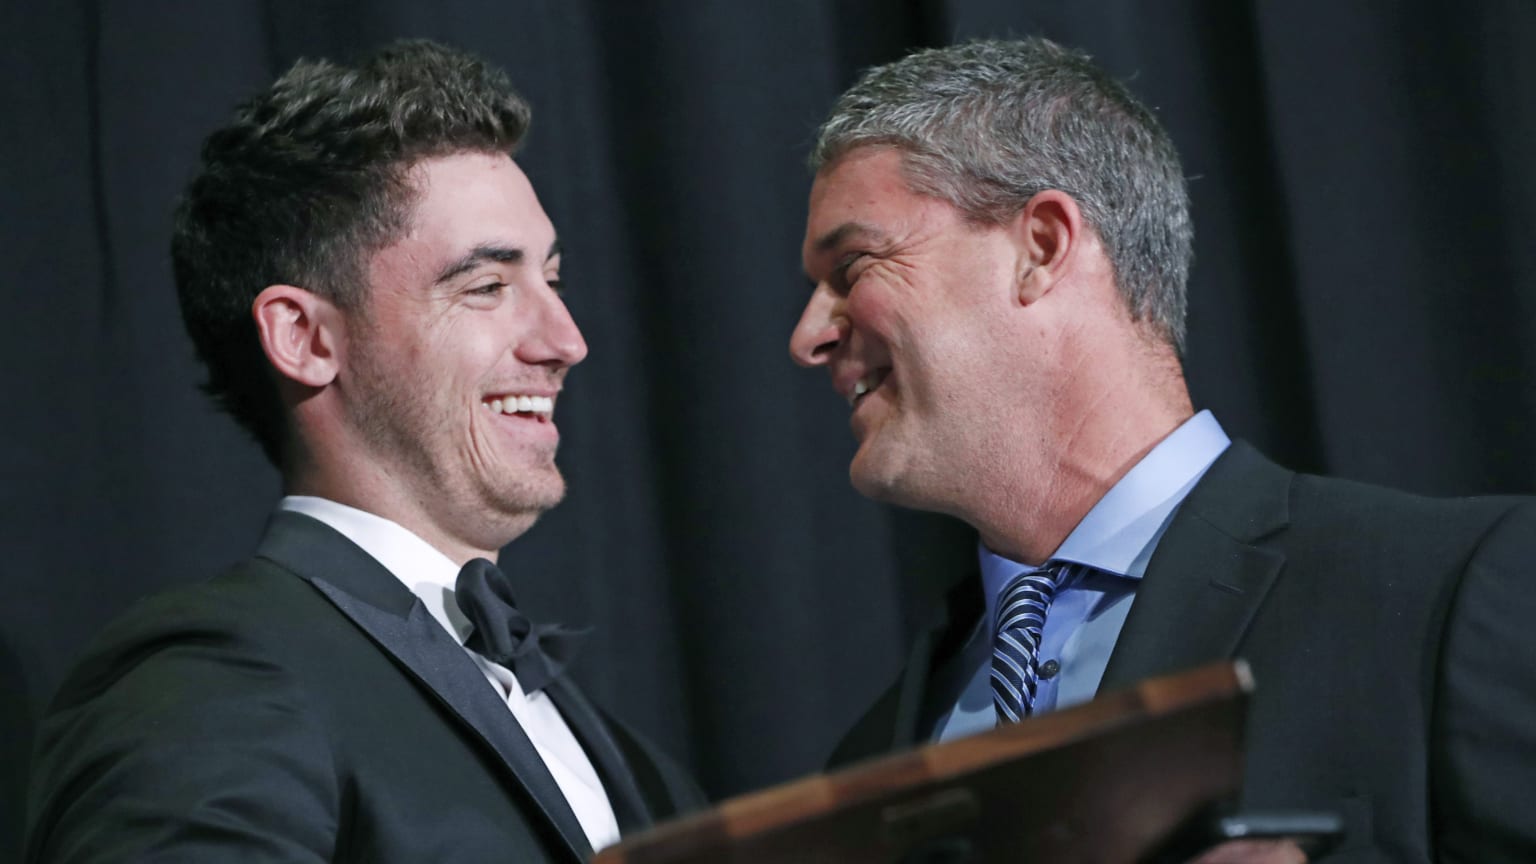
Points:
(1034, 589)
(536, 653)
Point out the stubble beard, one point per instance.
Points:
(429, 445)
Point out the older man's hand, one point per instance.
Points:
(1254, 852)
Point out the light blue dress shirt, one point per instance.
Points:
(1117, 537)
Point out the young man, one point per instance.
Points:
(374, 289)
(999, 240)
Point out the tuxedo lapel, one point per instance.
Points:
(629, 806)
(1209, 575)
(395, 620)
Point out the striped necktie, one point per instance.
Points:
(1021, 611)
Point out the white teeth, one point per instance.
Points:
(863, 386)
(522, 405)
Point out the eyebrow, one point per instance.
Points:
(836, 236)
(499, 254)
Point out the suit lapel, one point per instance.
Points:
(629, 806)
(904, 714)
(1208, 576)
(892, 723)
(390, 614)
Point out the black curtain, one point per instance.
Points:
(1363, 303)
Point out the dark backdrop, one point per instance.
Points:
(1363, 303)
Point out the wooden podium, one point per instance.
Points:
(1111, 782)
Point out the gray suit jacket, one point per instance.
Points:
(1392, 638)
(305, 707)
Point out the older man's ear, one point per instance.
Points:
(1049, 232)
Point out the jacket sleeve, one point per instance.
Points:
(180, 743)
(1483, 775)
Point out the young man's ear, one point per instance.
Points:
(300, 333)
(1049, 231)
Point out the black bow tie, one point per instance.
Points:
(536, 653)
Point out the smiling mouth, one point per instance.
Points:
(867, 385)
(541, 408)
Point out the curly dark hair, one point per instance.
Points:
(305, 184)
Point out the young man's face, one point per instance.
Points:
(455, 362)
(909, 303)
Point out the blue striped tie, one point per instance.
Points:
(1021, 611)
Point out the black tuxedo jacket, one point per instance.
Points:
(1392, 639)
(306, 707)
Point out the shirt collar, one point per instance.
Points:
(1120, 532)
(429, 574)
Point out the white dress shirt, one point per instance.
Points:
(431, 576)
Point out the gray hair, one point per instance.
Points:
(987, 125)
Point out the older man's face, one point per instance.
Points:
(911, 311)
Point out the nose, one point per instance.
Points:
(553, 339)
(820, 330)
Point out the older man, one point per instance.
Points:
(999, 240)
(374, 288)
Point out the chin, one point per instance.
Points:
(898, 482)
(876, 480)
(536, 499)
(527, 496)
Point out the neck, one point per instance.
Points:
(376, 493)
(1109, 418)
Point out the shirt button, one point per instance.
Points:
(1049, 668)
